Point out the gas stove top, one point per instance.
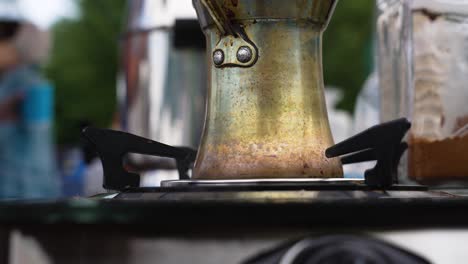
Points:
(247, 209)
(381, 143)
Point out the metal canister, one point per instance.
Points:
(266, 113)
(162, 86)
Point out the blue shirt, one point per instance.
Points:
(27, 161)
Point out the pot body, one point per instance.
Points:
(268, 120)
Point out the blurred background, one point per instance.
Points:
(82, 67)
(139, 66)
(84, 61)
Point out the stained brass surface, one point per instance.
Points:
(269, 120)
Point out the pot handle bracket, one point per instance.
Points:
(234, 49)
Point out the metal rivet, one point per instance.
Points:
(218, 57)
(244, 54)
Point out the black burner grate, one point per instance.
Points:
(382, 143)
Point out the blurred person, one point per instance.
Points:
(27, 162)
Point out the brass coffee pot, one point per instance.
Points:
(266, 114)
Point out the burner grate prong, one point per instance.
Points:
(382, 143)
(112, 146)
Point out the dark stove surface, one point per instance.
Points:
(278, 191)
(277, 197)
(274, 190)
(175, 209)
(229, 207)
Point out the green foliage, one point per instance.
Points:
(346, 48)
(83, 66)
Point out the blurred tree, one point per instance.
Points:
(346, 47)
(83, 66)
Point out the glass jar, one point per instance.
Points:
(438, 91)
(392, 58)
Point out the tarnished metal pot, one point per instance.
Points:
(266, 113)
